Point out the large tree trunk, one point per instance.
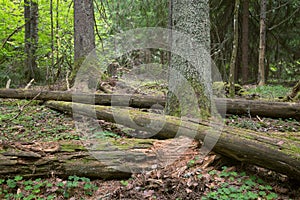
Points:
(84, 36)
(279, 152)
(233, 106)
(189, 76)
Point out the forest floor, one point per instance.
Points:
(213, 177)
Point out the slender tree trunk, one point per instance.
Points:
(84, 36)
(27, 34)
(234, 48)
(187, 84)
(57, 40)
(50, 71)
(27, 17)
(245, 41)
(262, 43)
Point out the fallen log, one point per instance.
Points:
(66, 158)
(277, 152)
(137, 101)
(105, 158)
(260, 108)
(233, 106)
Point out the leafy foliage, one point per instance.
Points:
(17, 188)
(238, 186)
(12, 33)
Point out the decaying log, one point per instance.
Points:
(65, 158)
(234, 106)
(261, 108)
(137, 101)
(105, 158)
(278, 152)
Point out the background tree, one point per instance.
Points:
(234, 48)
(245, 41)
(262, 43)
(31, 38)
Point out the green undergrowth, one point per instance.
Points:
(264, 124)
(22, 120)
(46, 189)
(233, 185)
(269, 91)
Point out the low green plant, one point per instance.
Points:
(245, 187)
(35, 189)
(105, 134)
(191, 163)
(124, 182)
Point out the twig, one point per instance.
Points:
(67, 80)
(14, 32)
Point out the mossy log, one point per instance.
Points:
(278, 152)
(233, 106)
(137, 101)
(65, 158)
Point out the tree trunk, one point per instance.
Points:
(189, 83)
(262, 44)
(31, 39)
(234, 48)
(278, 152)
(84, 36)
(233, 106)
(245, 41)
(49, 77)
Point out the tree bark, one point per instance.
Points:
(262, 43)
(66, 158)
(279, 152)
(190, 83)
(31, 39)
(245, 41)
(233, 106)
(84, 36)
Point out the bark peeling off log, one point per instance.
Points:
(72, 158)
(276, 152)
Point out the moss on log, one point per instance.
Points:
(276, 152)
(233, 106)
(67, 158)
